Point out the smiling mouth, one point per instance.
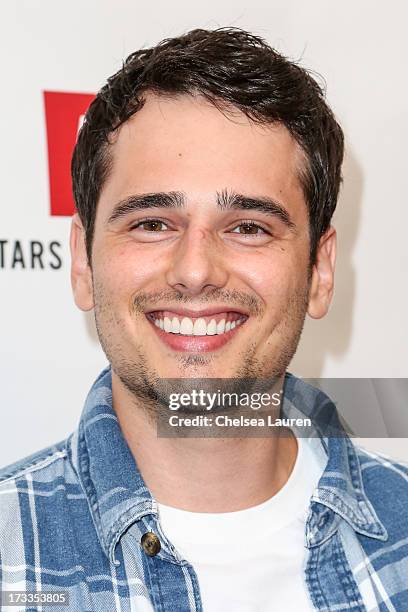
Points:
(217, 324)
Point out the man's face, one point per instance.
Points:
(197, 253)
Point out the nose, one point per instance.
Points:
(197, 263)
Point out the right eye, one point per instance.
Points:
(153, 223)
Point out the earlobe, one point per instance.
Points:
(322, 283)
(81, 274)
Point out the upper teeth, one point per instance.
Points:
(198, 327)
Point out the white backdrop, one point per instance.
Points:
(49, 351)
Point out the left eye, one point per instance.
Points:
(250, 227)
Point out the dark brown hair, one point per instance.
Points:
(229, 67)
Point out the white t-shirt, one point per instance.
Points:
(251, 560)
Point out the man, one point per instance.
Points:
(205, 177)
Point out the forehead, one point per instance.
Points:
(185, 143)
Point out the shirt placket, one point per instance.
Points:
(328, 575)
(171, 582)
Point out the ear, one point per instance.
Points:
(322, 283)
(81, 274)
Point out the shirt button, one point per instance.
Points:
(150, 543)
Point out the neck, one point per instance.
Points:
(203, 474)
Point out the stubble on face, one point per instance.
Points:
(129, 359)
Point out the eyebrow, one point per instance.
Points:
(235, 201)
(226, 200)
(169, 199)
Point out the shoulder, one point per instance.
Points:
(39, 494)
(48, 460)
(378, 466)
(34, 488)
(385, 483)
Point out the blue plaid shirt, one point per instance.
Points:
(72, 517)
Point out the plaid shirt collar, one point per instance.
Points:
(118, 497)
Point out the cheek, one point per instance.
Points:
(123, 271)
(274, 276)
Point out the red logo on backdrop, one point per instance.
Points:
(64, 114)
